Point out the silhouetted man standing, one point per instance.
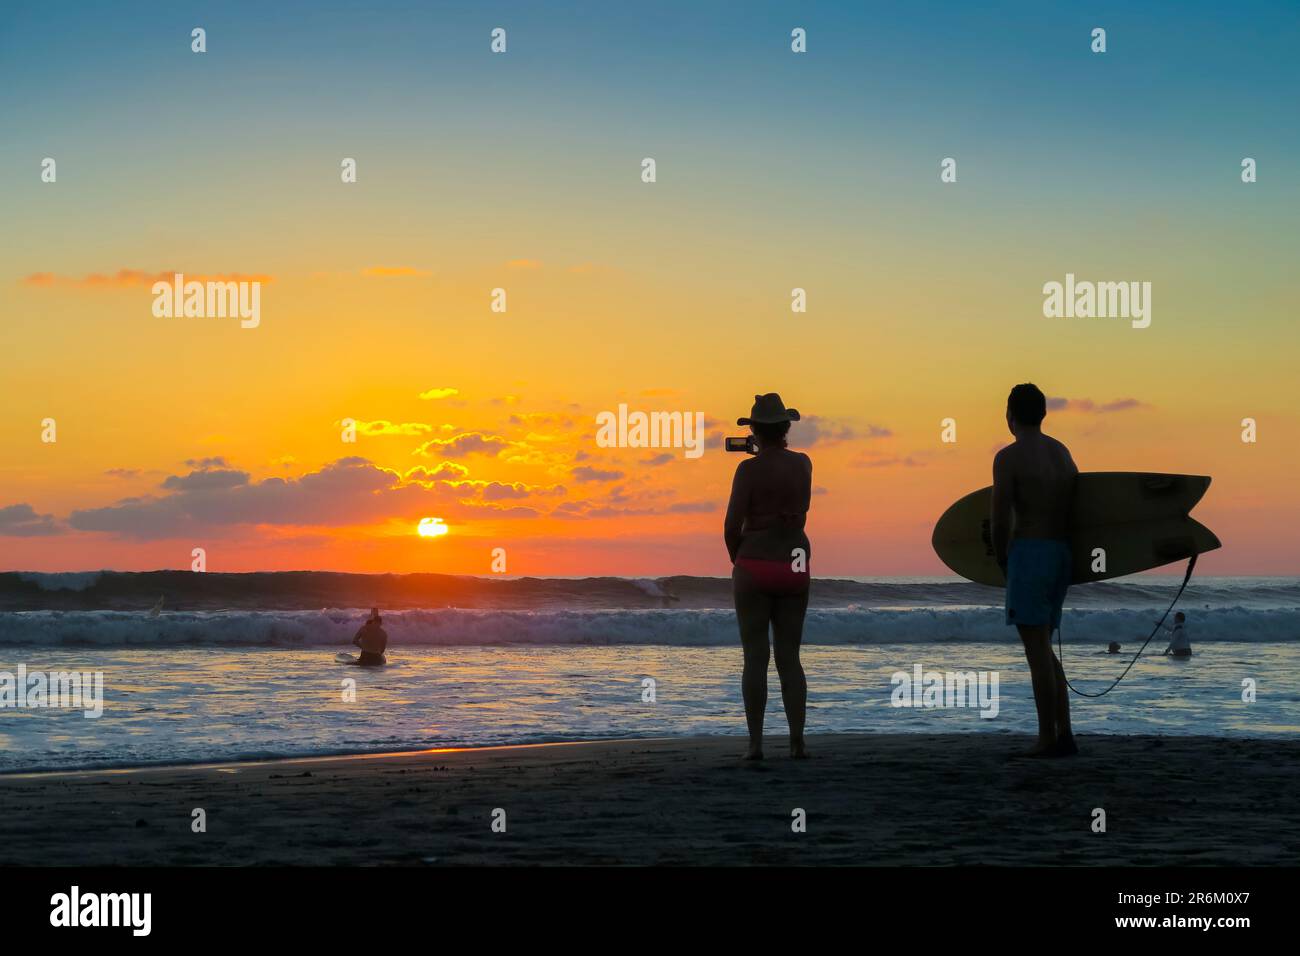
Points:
(1033, 488)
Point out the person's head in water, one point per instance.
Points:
(769, 420)
(1114, 647)
(1026, 408)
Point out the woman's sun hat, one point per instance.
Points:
(769, 410)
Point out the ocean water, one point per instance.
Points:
(210, 682)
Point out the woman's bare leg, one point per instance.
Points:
(787, 633)
(753, 613)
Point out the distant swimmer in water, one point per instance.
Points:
(1113, 648)
(372, 640)
(1180, 646)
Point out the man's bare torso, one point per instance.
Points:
(1042, 476)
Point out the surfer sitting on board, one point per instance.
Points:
(372, 640)
(1033, 485)
(1180, 646)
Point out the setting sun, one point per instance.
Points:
(431, 528)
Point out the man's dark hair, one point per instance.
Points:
(772, 434)
(1027, 405)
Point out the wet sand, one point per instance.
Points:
(899, 799)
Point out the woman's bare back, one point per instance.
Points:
(770, 496)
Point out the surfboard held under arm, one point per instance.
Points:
(1122, 521)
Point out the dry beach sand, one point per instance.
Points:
(870, 800)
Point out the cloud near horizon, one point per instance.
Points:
(587, 473)
(22, 521)
(433, 394)
(895, 461)
(384, 427)
(1089, 407)
(815, 430)
(349, 492)
(395, 272)
(128, 278)
(345, 493)
(466, 443)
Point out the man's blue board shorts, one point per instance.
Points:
(1038, 575)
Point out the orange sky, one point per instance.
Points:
(182, 433)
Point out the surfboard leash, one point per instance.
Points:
(1060, 650)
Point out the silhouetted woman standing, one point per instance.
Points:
(769, 552)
